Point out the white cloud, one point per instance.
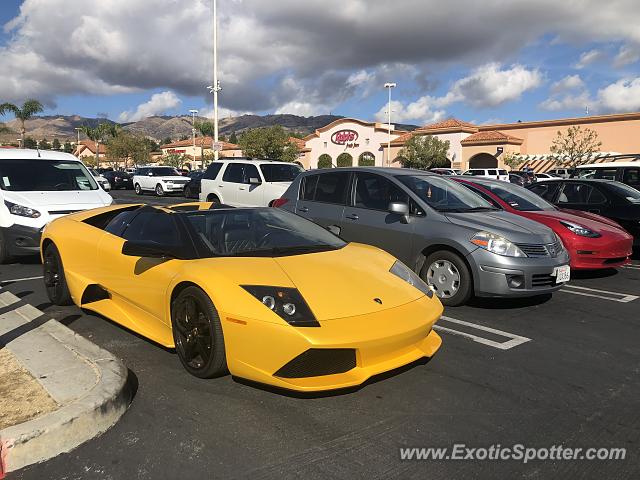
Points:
(621, 96)
(587, 58)
(157, 105)
(570, 82)
(421, 111)
(626, 56)
(568, 102)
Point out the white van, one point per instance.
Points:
(247, 183)
(494, 173)
(37, 187)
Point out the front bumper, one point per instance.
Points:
(383, 341)
(21, 240)
(173, 187)
(491, 273)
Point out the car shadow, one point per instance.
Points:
(508, 303)
(588, 274)
(27, 260)
(332, 393)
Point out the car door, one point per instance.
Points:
(631, 177)
(322, 197)
(208, 183)
(138, 285)
(546, 190)
(232, 178)
(367, 219)
(581, 196)
(250, 195)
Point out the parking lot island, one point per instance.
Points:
(90, 387)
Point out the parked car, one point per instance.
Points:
(541, 177)
(102, 170)
(247, 183)
(560, 172)
(446, 171)
(192, 189)
(119, 179)
(517, 179)
(607, 198)
(102, 181)
(455, 240)
(624, 172)
(161, 180)
(592, 242)
(37, 187)
(245, 291)
(495, 173)
(528, 177)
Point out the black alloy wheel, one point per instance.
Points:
(54, 279)
(197, 333)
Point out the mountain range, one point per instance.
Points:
(162, 127)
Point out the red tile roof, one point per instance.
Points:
(491, 137)
(91, 146)
(298, 141)
(448, 124)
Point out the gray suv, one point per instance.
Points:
(459, 243)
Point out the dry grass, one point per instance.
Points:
(21, 396)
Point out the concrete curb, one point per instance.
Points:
(91, 386)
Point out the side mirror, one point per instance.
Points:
(334, 229)
(255, 181)
(400, 208)
(148, 250)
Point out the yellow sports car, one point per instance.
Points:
(259, 292)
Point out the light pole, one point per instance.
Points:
(193, 113)
(389, 86)
(215, 88)
(77, 129)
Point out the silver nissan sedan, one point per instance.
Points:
(458, 242)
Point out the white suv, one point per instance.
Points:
(495, 173)
(161, 180)
(247, 183)
(37, 187)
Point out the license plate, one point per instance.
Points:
(562, 274)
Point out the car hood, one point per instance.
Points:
(593, 222)
(67, 200)
(173, 178)
(512, 227)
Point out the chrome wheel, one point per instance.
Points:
(444, 277)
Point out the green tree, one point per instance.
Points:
(269, 143)
(206, 129)
(575, 147)
(325, 161)
(29, 142)
(166, 141)
(44, 144)
(344, 160)
(100, 134)
(4, 128)
(24, 113)
(56, 145)
(424, 151)
(233, 138)
(129, 146)
(174, 160)
(513, 160)
(67, 148)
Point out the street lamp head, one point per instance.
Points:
(193, 111)
(390, 85)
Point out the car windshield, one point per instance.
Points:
(445, 195)
(165, 172)
(629, 193)
(516, 197)
(280, 173)
(45, 176)
(259, 232)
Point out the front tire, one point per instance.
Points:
(138, 189)
(214, 199)
(197, 333)
(54, 279)
(159, 190)
(449, 276)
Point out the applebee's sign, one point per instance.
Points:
(343, 137)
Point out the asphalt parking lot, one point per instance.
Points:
(560, 370)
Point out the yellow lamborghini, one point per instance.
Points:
(258, 292)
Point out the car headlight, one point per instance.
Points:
(287, 303)
(399, 269)
(496, 244)
(168, 181)
(21, 210)
(580, 230)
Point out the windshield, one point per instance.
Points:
(280, 173)
(629, 193)
(259, 232)
(165, 172)
(516, 197)
(44, 176)
(444, 195)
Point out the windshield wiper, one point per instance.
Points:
(278, 251)
(467, 210)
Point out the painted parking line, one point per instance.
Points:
(14, 280)
(514, 340)
(603, 294)
(632, 267)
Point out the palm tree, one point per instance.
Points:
(28, 110)
(99, 134)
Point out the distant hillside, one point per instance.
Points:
(159, 128)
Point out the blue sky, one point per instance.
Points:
(498, 63)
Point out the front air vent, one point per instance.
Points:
(316, 362)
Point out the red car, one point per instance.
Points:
(593, 241)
